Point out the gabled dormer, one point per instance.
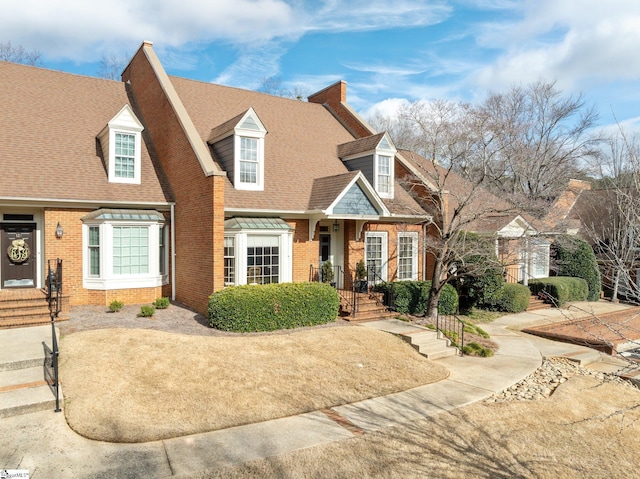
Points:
(121, 143)
(239, 146)
(374, 156)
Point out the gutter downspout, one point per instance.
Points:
(424, 251)
(173, 252)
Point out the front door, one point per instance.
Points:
(18, 250)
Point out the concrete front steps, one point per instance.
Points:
(23, 388)
(426, 341)
(27, 307)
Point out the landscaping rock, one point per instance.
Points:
(543, 382)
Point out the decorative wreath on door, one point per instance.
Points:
(18, 251)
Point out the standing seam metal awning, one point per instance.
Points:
(124, 215)
(236, 224)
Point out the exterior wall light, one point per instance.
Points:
(336, 226)
(59, 231)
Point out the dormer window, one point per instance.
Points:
(238, 145)
(121, 142)
(374, 156)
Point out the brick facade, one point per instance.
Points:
(199, 211)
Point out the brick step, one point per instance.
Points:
(29, 320)
(361, 317)
(535, 304)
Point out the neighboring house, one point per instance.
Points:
(607, 220)
(523, 253)
(163, 186)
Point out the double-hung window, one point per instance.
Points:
(408, 256)
(384, 175)
(248, 160)
(125, 156)
(375, 253)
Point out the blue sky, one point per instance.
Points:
(385, 51)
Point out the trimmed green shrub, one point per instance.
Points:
(575, 257)
(270, 307)
(115, 306)
(561, 288)
(511, 298)
(411, 297)
(448, 302)
(146, 311)
(474, 349)
(161, 303)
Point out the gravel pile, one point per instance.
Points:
(542, 383)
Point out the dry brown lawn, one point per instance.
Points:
(585, 429)
(132, 385)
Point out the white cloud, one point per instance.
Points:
(75, 29)
(577, 42)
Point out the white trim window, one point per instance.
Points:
(407, 256)
(121, 142)
(383, 175)
(229, 260)
(248, 161)
(249, 136)
(539, 260)
(257, 257)
(375, 255)
(124, 254)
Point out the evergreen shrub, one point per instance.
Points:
(270, 307)
(575, 257)
(561, 289)
(411, 297)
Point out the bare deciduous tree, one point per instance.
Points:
(111, 66)
(19, 54)
(537, 139)
(273, 86)
(453, 134)
(610, 216)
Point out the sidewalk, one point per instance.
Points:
(43, 444)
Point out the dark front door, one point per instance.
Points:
(325, 247)
(18, 250)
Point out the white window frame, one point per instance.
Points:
(540, 251)
(387, 174)
(108, 280)
(285, 245)
(384, 253)
(414, 255)
(258, 133)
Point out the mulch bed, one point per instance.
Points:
(176, 318)
(604, 332)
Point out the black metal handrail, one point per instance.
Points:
(348, 296)
(451, 327)
(54, 298)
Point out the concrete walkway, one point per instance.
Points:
(43, 444)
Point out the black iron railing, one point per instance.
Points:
(344, 284)
(452, 328)
(54, 298)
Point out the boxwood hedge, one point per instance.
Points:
(510, 298)
(273, 306)
(411, 297)
(561, 288)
